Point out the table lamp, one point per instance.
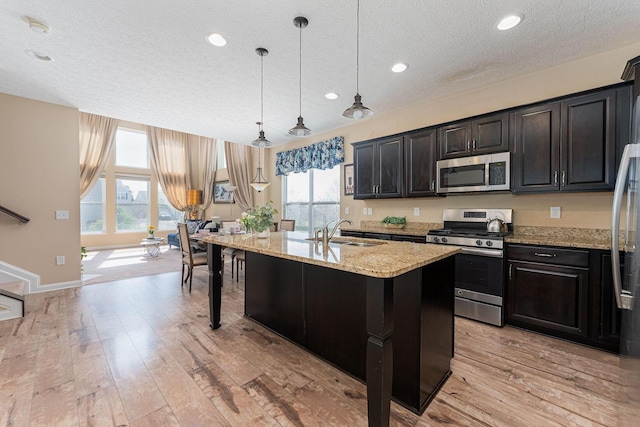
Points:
(194, 200)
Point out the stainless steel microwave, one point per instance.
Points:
(490, 172)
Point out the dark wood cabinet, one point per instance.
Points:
(605, 316)
(483, 135)
(564, 292)
(273, 295)
(378, 168)
(547, 289)
(327, 312)
(536, 148)
(568, 145)
(420, 151)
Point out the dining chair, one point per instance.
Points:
(240, 256)
(189, 259)
(287, 224)
(230, 252)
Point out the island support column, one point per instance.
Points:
(214, 263)
(379, 350)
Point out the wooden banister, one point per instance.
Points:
(23, 219)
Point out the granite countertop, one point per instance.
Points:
(411, 229)
(585, 238)
(384, 260)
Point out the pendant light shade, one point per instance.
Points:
(259, 182)
(357, 110)
(261, 141)
(300, 129)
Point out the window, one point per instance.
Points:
(312, 198)
(168, 216)
(132, 204)
(131, 149)
(92, 209)
(221, 157)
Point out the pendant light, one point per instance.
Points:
(261, 141)
(259, 182)
(300, 129)
(357, 110)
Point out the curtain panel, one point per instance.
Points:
(208, 165)
(97, 134)
(321, 155)
(239, 168)
(171, 160)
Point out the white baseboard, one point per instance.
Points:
(10, 273)
(10, 308)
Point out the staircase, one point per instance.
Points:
(12, 299)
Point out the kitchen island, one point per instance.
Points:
(338, 301)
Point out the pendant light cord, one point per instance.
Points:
(261, 90)
(300, 74)
(358, 49)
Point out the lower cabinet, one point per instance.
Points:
(563, 292)
(325, 311)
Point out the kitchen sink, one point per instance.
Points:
(348, 242)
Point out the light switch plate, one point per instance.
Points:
(369, 211)
(346, 210)
(364, 211)
(555, 212)
(62, 214)
(416, 211)
(60, 260)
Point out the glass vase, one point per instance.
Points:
(264, 234)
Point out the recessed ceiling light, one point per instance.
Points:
(331, 95)
(216, 39)
(38, 26)
(510, 21)
(38, 55)
(399, 67)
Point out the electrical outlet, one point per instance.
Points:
(346, 210)
(555, 212)
(62, 214)
(416, 211)
(369, 211)
(60, 260)
(364, 211)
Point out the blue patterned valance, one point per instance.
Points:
(321, 155)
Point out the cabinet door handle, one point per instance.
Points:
(433, 185)
(544, 255)
(564, 177)
(468, 145)
(474, 144)
(510, 267)
(555, 177)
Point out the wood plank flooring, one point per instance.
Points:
(139, 352)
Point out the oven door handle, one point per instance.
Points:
(493, 253)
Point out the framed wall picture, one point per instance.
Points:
(222, 193)
(348, 180)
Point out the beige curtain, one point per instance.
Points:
(97, 134)
(239, 168)
(171, 160)
(208, 164)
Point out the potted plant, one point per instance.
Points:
(395, 221)
(259, 219)
(151, 229)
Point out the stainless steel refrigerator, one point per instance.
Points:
(627, 284)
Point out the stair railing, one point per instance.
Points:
(21, 218)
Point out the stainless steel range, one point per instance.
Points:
(480, 267)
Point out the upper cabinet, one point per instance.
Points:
(568, 145)
(487, 134)
(420, 154)
(378, 168)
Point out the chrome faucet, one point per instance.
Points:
(326, 234)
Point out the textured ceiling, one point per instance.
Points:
(147, 61)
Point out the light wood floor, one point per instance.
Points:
(140, 352)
